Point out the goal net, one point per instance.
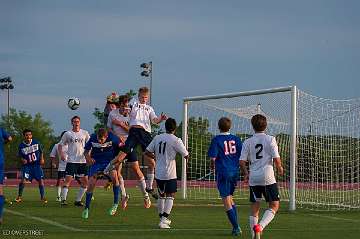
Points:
(318, 143)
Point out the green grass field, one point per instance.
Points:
(190, 219)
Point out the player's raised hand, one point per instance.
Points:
(163, 116)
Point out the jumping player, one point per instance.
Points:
(141, 117)
(118, 124)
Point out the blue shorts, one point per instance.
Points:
(226, 183)
(32, 171)
(97, 168)
(1, 173)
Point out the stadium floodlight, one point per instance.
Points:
(147, 72)
(6, 84)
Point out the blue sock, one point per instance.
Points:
(232, 218)
(42, 191)
(116, 190)
(21, 189)
(2, 199)
(235, 211)
(88, 199)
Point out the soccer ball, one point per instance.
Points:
(73, 103)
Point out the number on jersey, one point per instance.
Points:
(229, 147)
(162, 147)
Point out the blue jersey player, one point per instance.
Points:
(101, 148)
(31, 154)
(224, 152)
(4, 138)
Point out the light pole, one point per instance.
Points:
(6, 84)
(147, 72)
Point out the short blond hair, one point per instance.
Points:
(143, 90)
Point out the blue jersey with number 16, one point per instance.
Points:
(226, 148)
(30, 152)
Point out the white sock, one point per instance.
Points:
(59, 191)
(64, 193)
(267, 218)
(150, 179)
(122, 186)
(169, 201)
(80, 194)
(160, 205)
(142, 186)
(252, 222)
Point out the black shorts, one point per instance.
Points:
(131, 156)
(137, 136)
(76, 169)
(166, 186)
(270, 193)
(61, 175)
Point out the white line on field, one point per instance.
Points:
(45, 221)
(335, 218)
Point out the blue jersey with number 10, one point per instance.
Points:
(30, 152)
(226, 148)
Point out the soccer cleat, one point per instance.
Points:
(165, 220)
(124, 201)
(79, 203)
(44, 200)
(152, 192)
(147, 202)
(113, 210)
(63, 203)
(8, 202)
(18, 199)
(257, 231)
(163, 225)
(236, 231)
(58, 199)
(85, 213)
(108, 185)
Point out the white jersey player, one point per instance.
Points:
(55, 158)
(261, 151)
(165, 147)
(75, 139)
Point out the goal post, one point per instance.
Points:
(185, 134)
(319, 144)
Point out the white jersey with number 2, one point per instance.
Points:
(259, 150)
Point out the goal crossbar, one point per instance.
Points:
(187, 101)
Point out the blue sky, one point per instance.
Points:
(57, 49)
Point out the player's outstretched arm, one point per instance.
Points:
(159, 119)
